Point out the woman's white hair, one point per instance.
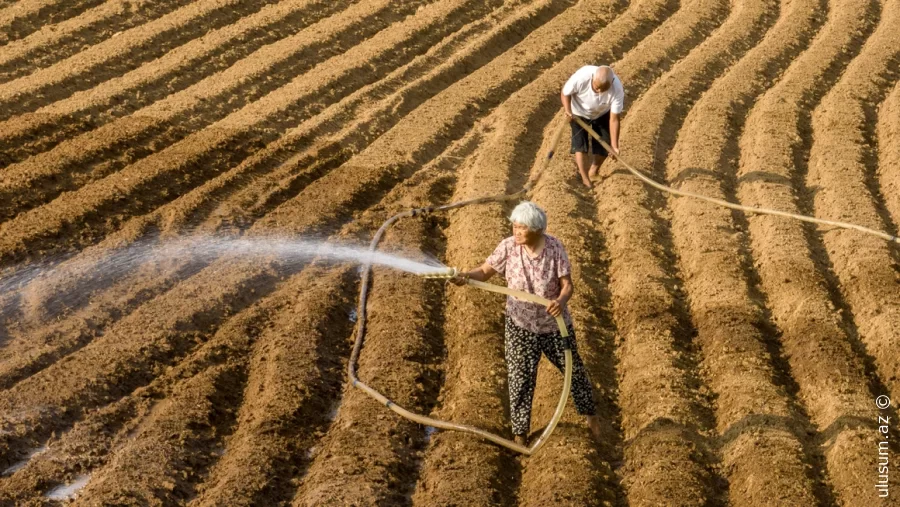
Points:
(530, 215)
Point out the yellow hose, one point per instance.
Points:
(731, 205)
(428, 421)
(449, 272)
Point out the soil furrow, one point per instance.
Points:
(571, 469)
(128, 355)
(511, 144)
(459, 469)
(888, 178)
(116, 56)
(93, 442)
(842, 172)
(64, 292)
(260, 36)
(58, 330)
(329, 139)
(163, 176)
(817, 344)
(50, 45)
(763, 429)
(296, 373)
(172, 448)
(116, 145)
(370, 455)
(28, 16)
(668, 455)
(264, 464)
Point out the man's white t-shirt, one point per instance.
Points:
(586, 102)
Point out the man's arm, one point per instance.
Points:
(614, 131)
(565, 294)
(567, 104)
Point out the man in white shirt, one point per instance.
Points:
(595, 95)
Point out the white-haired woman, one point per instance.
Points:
(535, 262)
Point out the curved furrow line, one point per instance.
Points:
(511, 144)
(842, 171)
(117, 56)
(370, 455)
(162, 332)
(260, 462)
(163, 176)
(92, 442)
(30, 134)
(762, 426)
(171, 449)
(34, 348)
(301, 360)
(329, 139)
(390, 159)
(27, 16)
(295, 373)
(571, 468)
(815, 340)
(667, 449)
(125, 141)
(457, 468)
(56, 42)
(319, 293)
(57, 329)
(889, 153)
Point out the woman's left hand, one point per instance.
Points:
(555, 308)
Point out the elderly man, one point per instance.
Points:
(535, 262)
(595, 95)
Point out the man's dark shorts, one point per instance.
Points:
(580, 136)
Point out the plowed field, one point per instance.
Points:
(736, 357)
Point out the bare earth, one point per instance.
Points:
(736, 358)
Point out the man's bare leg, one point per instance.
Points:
(521, 440)
(595, 166)
(581, 160)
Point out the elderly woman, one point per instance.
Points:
(535, 262)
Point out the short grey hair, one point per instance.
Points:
(530, 215)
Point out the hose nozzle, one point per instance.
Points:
(441, 273)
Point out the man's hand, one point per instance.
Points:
(614, 154)
(555, 308)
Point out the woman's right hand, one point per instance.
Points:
(460, 279)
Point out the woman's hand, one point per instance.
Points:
(460, 279)
(555, 308)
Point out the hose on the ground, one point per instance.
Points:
(446, 273)
(731, 205)
(367, 268)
